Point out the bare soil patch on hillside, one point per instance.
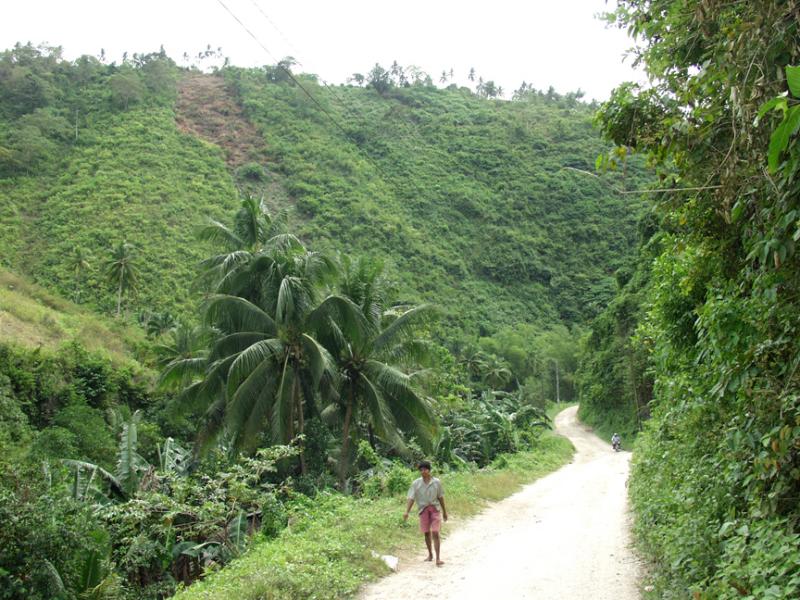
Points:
(206, 108)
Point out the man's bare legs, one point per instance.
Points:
(428, 544)
(435, 535)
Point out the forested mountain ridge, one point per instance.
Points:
(476, 203)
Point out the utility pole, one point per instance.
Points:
(558, 391)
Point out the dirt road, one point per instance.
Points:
(562, 537)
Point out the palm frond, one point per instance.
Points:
(251, 222)
(251, 403)
(181, 371)
(213, 421)
(252, 357)
(203, 393)
(380, 415)
(285, 243)
(318, 268)
(411, 412)
(234, 343)
(330, 335)
(319, 361)
(404, 325)
(362, 282)
(218, 233)
(409, 352)
(233, 314)
(347, 315)
(285, 306)
(222, 272)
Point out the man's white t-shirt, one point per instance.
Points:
(426, 494)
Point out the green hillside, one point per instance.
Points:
(476, 203)
(35, 318)
(107, 176)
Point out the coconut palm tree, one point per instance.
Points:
(497, 372)
(371, 388)
(253, 227)
(157, 324)
(122, 271)
(266, 368)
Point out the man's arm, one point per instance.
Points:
(444, 510)
(408, 508)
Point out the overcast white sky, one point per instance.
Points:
(544, 42)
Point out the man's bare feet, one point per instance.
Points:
(430, 558)
(439, 563)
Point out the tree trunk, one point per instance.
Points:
(345, 441)
(298, 404)
(119, 296)
(558, 391)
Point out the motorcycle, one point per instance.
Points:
(616, 444)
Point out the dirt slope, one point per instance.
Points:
(208, 110)
(564, 536)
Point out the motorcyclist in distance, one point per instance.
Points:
(616, 442)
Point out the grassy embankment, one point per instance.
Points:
(33, 317)
(326, 552)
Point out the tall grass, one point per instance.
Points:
(33, 317)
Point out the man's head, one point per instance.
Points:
(424, 467)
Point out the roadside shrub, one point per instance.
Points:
(760, 560)
(54, 442)
(398, 479)
(93, 437)
(180, 527)
(386, 482)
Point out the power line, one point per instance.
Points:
(305, 91)
(409, 127)
(644, 191)
(287, 71)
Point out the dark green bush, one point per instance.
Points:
(252, 171)
(46, 539)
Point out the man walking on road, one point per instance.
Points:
(428, 493)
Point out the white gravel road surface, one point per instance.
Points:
(566, 536)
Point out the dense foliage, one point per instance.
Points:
(615, 378)
(293, 346)
(717, 471)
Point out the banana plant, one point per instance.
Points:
(130, 463)
(86, 480)
(172, 458)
